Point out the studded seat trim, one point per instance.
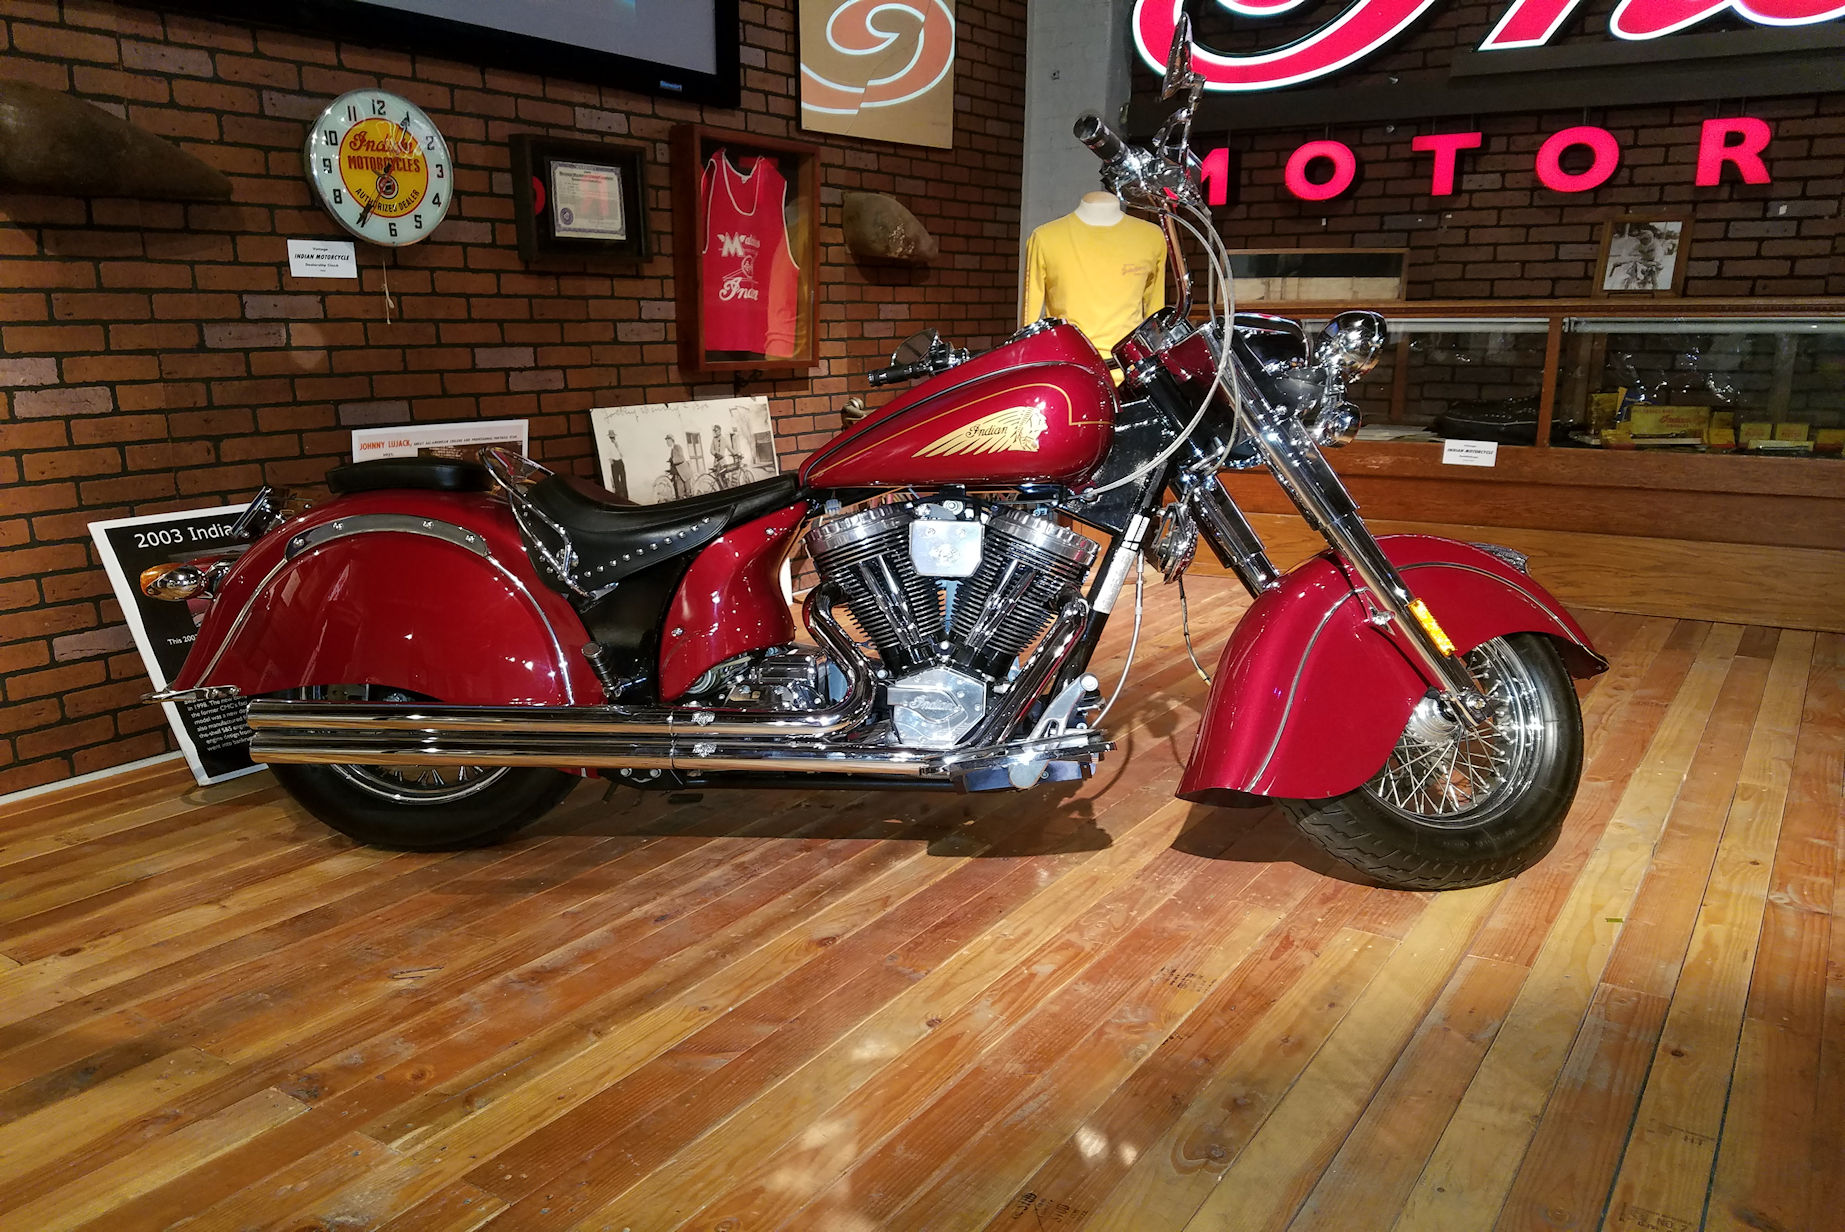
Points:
(584, 539)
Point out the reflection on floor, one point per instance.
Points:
(1089, 1008)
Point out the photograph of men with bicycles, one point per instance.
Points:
(669, 451)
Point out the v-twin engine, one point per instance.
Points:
(951, 593)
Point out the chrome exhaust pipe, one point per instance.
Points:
(702, 757)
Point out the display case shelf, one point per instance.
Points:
(1728, 377)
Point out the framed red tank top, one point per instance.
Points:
(749, 279)
(745, 215)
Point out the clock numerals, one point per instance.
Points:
(385, 180)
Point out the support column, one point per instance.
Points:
(1076, 60)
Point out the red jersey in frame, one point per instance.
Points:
(749, 276)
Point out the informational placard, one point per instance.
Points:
(448, 440)
(322, 259)
(212, 734)
(586, 202)
(1470, 453)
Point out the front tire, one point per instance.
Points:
(1453, 808)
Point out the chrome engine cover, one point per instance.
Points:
(951, 592)
(934, 708)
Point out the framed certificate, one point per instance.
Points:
(578, 198)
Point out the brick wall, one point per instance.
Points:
(1503, 234)
(157, 356)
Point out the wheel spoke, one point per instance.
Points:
(1441, 771)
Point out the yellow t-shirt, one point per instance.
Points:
(1103, 280)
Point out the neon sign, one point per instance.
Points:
(1324, 169)
(1368, 25)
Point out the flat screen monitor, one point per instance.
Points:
(679, 48)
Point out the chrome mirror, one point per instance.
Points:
(1350, 344)
(1179, 75)
(918, 347)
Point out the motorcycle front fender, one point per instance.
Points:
(1310, 696)
(428, 592)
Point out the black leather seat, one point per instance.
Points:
(431, 474)
(609, 539)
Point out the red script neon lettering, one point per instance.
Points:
(1367, 25)
(1353, 35)
(1649, 19)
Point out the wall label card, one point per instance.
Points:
(1470, 453)
(322, 259)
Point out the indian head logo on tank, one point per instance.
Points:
(1017, 429)
(882, 69)
(1364, 27)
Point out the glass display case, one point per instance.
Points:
(1706, 384)
(1583, 377)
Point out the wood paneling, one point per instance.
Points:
(1798, 588)
(1088, 1008)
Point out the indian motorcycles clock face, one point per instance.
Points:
(380, 167)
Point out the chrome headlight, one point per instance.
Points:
(1350, 344)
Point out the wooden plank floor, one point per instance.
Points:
(1091, 1008)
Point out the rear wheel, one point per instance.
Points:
(422, 808)
(1455, 807)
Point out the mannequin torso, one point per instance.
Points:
(1100, 209)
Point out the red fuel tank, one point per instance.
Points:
(1040, 408)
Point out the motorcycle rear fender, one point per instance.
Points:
(1310, 696)
(429, 592)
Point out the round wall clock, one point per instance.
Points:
(380, 167)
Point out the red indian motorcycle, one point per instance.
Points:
(432, 653)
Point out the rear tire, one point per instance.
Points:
(1448, 810)
(420, 808)
(354, 801)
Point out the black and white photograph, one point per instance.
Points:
(668, 451)
(1643, 256)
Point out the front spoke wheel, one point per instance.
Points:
(1460, 805)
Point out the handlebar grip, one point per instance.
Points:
(1095, 133)
(898, 372)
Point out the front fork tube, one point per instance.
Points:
(1232, 539)
(1314, 487)
(1122, 558)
